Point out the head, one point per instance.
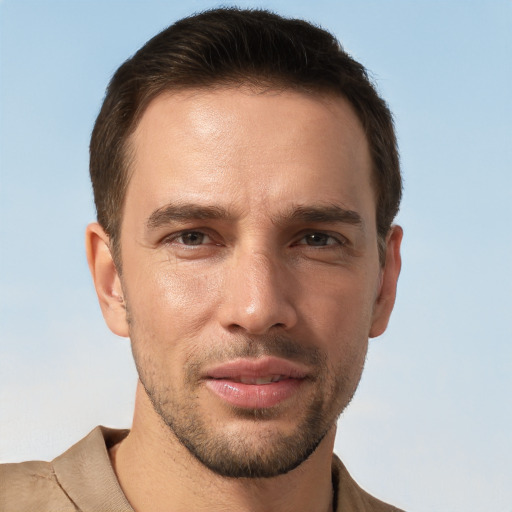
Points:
(246, 177)
(236, 47)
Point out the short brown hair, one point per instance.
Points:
(235, 47)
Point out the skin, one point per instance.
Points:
(280, 270)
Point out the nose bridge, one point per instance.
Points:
(256, 298)
(259, 280)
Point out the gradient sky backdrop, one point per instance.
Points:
(430, 428)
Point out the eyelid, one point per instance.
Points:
(338, 237)
(340, 240)
(171, 238)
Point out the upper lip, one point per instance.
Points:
(254, 368)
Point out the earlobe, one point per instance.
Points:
(106, 279)
(389, 278)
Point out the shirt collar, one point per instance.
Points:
(86, 475)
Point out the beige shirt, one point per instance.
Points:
(82, 479)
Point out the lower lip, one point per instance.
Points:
(253, 396)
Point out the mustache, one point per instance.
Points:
(253, 347)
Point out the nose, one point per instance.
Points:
(258, 295)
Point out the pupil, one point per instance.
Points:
(317, 239)
(193, 238)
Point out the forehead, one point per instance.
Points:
(247, 147)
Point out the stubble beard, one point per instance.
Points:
(269, 452)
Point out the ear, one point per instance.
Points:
(106, 279)
(389, 277)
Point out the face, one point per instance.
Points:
(251, 274)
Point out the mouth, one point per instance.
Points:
(268, 379)
(255, 383)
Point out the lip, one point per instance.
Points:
(225, 381)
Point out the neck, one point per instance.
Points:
(157, 473)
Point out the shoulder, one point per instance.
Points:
(351, 497)
(31, 486)
(81, 478)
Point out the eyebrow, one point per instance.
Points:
(180, 212)
(322, 213)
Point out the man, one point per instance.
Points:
(246, 177)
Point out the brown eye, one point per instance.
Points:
(317, 239)
(192, 238)
(320, 239)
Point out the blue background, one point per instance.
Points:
(430, 427)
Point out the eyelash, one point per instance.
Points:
(175, 236)
(338, 239)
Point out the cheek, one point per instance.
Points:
(339, 314)
(342, 300)
(172, 302)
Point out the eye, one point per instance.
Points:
(319, 240)
(191, 238)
